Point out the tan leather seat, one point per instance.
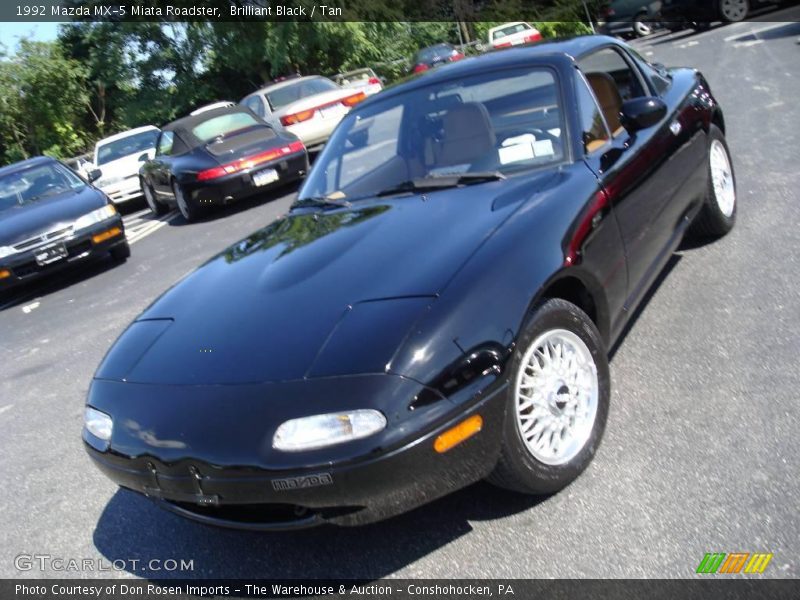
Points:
(467, 135)
(607, 94)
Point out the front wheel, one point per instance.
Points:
(189, 211)
(641, 27)
(733, 11)
(557, 402)
(718, 215)
(120, 252)
(150, 197)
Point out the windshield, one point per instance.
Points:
(504, 121)
(293, 92)
(41, 181)
(223, 125)
(132, 144)
(510, 30)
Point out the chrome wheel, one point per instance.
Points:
(642, 28)
(556, 396)
(180, 198)
(733, 10)
(722, 178)
(149, 198)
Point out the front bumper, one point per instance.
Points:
(23, 266)
(238, 186)
(352, 492)
(125, 190)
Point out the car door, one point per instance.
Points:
(638, 171)
(159, 169)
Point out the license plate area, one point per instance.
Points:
(332, 112)
(265, 177)
(50, 254)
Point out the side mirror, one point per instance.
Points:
(94, 175)
(641, 113)
(143, 157)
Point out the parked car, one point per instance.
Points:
(361, 79)
(700, 13)
(436, 308)
(630, 17)
(309, 107)
(212, 106)
(50, 218)
(115, 168)
(434, 56)
(216, 157)
(513, 34)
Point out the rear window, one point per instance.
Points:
(223, 125)
(510, 30)
(428, 54)
(293, 92)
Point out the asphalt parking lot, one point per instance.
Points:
(700, 453)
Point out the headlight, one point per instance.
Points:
(95, 216)
(319, 431)
(6, 251)
(99, 424)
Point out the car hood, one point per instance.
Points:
(122, 167)
(25, 221)
(314, 101)
(266, 308)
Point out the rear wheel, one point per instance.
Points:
(733, 11)
(150, 197)
(189, 211)
(718, 214)
(557, 401)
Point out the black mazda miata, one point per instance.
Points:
(437, 306)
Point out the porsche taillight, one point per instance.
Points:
(249, 162)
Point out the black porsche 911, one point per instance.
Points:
(51, 218)
(436, 308)
(216, 157)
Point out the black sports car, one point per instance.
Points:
(216, 157)
(437, 306)
(50, 218)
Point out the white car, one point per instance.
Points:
(117, 160)
(361, 79)
(309, 107)
(513, 34)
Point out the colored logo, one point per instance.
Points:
(735, 562)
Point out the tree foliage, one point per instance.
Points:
(104, 77)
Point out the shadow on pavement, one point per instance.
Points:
(133, 528)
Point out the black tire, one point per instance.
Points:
(518, 469)
(156, 207)
(190, 211)
(121, 252)
(733, 11)
(712, 221)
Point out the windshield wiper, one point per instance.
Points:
(438, 182)
(322, 202)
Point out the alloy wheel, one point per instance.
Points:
(556, 396)
(722, 178)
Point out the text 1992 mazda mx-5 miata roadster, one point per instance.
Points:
(437, 306)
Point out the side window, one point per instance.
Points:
(613, 81)
(255, 104)
(165, 143)
(593, 126)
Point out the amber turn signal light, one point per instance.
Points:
(455, 435)
(102, 237)
(4, 273)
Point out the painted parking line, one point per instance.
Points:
(140, 227)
